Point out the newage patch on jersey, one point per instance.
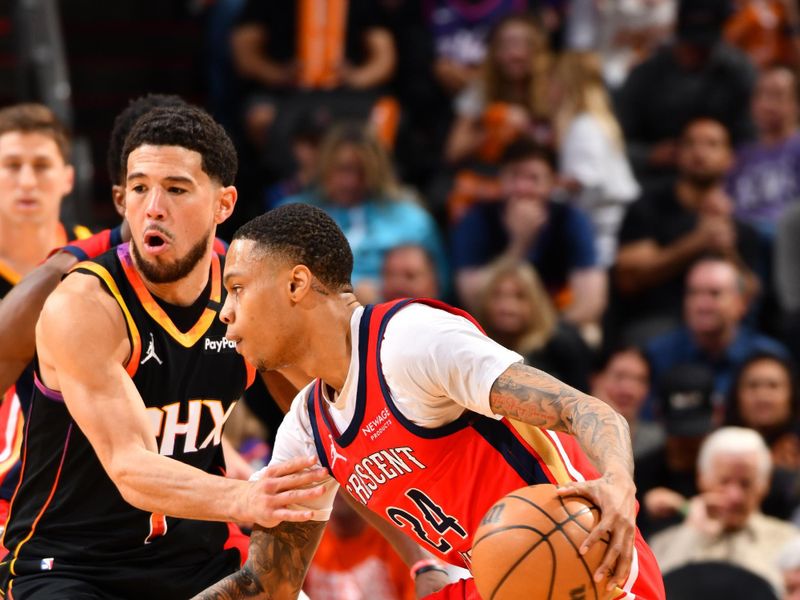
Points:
(218, 346)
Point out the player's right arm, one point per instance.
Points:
(83, 346)
(276, 565)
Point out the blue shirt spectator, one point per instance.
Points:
(679, 347)
(557, 239)
(564, 243)
(712, 334)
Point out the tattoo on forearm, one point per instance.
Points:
(276, 565)
(532, 396)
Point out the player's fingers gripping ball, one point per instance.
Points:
(527, 547)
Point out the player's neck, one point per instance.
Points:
(331, 344)
(24, 245)
(183, 292)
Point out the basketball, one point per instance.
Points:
(527, 547)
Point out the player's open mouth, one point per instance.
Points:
(155, 242)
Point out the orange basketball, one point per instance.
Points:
(526, 547)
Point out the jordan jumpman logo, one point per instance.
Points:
(335, 453)
(151, 352)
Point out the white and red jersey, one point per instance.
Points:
(436, 483)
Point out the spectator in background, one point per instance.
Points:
(670, 227)
(764, 398)
(622, 380)
(766, 30)
(515, 311)
(306, 137)
(459, 31)
(409, 271)
(724, 522)
(592, 160)
(766, 176)
(713, 334)
(789, 564)
(509, 99)
(556, 238)
(696, 75)
(300, 53)
(666, 476)
(354, 562)
(629, 31)
(356, 187)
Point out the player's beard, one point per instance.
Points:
(174, 271)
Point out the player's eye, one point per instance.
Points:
(176, 190)
(139, 189)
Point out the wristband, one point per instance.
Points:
(425, 565)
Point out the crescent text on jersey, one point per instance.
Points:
(378, 468)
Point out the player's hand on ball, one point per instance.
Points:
(615, 495)
(280, 492)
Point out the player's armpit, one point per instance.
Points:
(276, 566)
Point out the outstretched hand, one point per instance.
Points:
(282, 492)
(615, 496)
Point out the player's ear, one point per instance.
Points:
(227, 200)
(118, 196)
(299, 283)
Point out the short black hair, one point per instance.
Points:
(189, 127)
(125, 121)
(609, 352)
(305, 235)
(523, 149)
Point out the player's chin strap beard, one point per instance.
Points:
(176, 271)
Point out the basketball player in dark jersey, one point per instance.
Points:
(35, 176)
(134, 380)
(18, 315)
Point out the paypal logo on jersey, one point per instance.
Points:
(217, 346)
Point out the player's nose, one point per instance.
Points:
(226, 314)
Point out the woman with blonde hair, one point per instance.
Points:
(510, 97)
(356, 186)
(593, 164)
(516, 311)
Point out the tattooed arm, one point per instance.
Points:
(276, 565)
(534, 397)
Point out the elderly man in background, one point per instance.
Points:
(724, 522)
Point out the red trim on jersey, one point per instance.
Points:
(12, 423)
(158, 527)
(239, 540)
(251, 374)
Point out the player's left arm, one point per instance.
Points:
(532, 396)
(276, 565)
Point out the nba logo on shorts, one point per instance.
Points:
(46, 564)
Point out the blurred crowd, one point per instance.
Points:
(610, 186)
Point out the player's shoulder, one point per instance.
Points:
(80, 299)
(426, 320)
